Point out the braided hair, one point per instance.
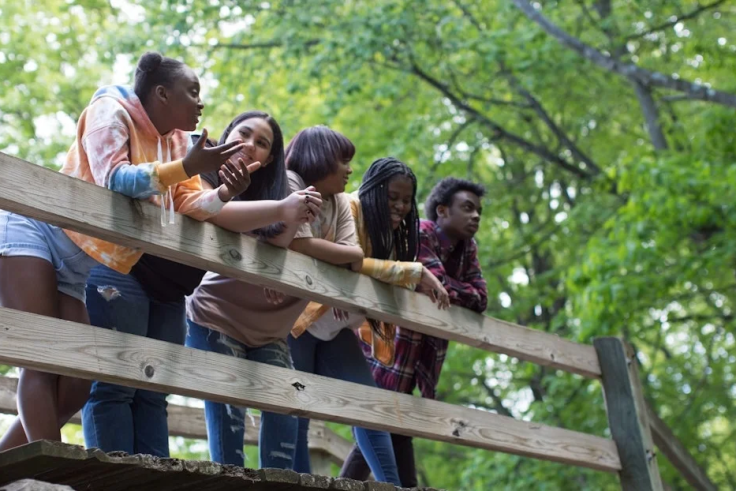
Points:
(373, 195)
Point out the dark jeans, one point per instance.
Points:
(355, 466)
(342, 358)
(226, 423)
(117, 417)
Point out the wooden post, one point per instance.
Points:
(627, 416)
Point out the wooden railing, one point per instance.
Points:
(29, 340)
(325, 446)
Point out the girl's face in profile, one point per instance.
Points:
(257, 137)
(336, 182)
(400, 196)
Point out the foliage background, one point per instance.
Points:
(610, 206)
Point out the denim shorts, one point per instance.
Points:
(22, 236)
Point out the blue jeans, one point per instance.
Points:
(226, 423)
(342, 358)
(117, 417)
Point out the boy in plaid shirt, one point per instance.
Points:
(448, 250)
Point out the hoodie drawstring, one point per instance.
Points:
(171, 192)
(168, 195)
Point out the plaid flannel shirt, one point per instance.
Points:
(418, 358)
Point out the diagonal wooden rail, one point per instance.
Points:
(52, 345)
(65, 201)
(189, 422)
(80, 206)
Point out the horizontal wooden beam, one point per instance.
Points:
(189, 422)
(677, 454)
(59, 199)
(52, 345)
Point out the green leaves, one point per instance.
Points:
(642, 249)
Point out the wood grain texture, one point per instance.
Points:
(677, 454)
(189, 422)
(59, 199)
(52, 345)
(627, 416)
(95, 470)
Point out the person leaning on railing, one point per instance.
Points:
(448, 250)
(150, 301)
(246, 321)
(322, 340)
(135, 142)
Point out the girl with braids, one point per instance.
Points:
(387, 224)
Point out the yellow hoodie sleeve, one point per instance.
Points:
(192, 200)
(400, 273)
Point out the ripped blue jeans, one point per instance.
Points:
(226, 423)
(118, 417)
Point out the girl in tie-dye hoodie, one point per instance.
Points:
(134, 142)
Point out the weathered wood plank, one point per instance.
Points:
(189, 422)
(94, 470)
(51, 345)
(55, 198)
(33, 485)
(676, 452)
(627, 416)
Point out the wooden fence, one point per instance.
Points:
(325, 446)
(52, 345)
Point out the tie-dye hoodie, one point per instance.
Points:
(119, 148)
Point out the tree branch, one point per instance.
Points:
(651, 115)
(468, 15)
(645, 77)
(690, 15)
(498, 131)
(450, 143)
(497, 401)
(556, 130)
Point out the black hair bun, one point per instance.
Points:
(150, 61)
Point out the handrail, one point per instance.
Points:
(86, 208)
(189, 422)
(89, 209)
(77, 350)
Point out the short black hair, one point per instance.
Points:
(445, 190)
(155, 69)
(315, 152)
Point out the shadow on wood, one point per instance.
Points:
(67, 348)
(94, 470)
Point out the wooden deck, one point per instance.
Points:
(94, 470)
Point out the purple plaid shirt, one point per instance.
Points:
(418, 359)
